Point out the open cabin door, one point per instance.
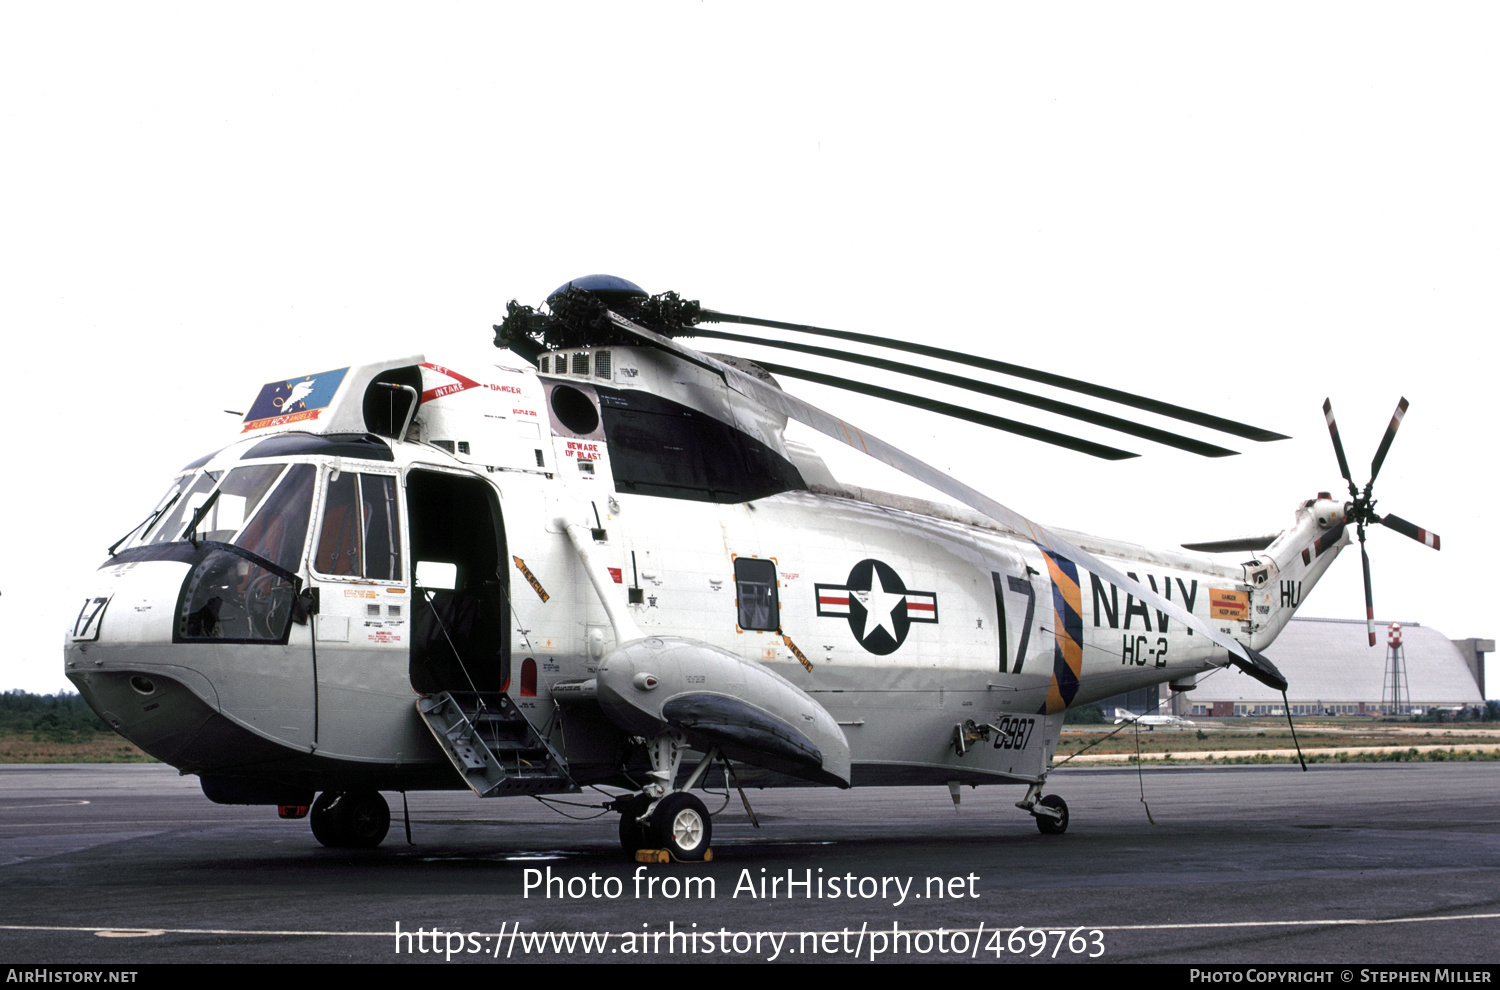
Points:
(461, 634)
(460, 648)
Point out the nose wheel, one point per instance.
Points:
(350, 819)
(680, 824)
(632, 829)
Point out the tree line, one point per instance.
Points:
(61, 717)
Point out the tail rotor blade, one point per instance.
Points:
(1369, 595)
(1385, 442)
(1413, 531)
(1338, 445)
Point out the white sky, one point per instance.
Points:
(1242, 208)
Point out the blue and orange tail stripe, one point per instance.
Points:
(1067, 633)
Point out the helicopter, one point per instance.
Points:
(612, 568)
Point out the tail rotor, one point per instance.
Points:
(1361, 509)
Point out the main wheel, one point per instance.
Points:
(632, 832)
(681, 825)
(350, 819)
(1046, 823)
(325, 815)
(368, 819)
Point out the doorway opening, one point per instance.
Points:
(461, 634)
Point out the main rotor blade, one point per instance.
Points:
(1385, 441)
(958, 412)
(997, 391)
(1415, 532)
(1240, 655)
(1338, 446)
(1018, 371)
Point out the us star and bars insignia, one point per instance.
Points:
(877, 603)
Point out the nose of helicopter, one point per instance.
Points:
(119, 654)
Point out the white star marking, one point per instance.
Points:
(879, 604)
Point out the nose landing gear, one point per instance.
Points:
(350, 819)
(680, 824)
(672, 820)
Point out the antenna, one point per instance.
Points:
(1396, 687)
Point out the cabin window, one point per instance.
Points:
(361, 532)
(755, 590)
(659, 447)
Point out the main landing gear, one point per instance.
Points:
(350, 819)
(671, 820)
(1050, 812)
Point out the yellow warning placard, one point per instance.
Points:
(1234, 605)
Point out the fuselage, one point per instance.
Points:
(267, 624)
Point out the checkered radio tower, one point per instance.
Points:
(1396, 691)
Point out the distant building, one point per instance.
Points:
(1330, 667)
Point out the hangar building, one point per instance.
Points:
(1330, 667)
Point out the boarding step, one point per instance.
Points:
(493, 746)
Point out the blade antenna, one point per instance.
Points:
(1017, 371)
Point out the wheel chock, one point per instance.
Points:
(664, 856)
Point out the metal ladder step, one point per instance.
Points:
(493, 746)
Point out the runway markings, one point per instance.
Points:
(49, 804)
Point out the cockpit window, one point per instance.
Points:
(247, 597)
(138, 536)
(175, 518)
(236, 500)
(278, 531)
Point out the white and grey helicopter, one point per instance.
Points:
(613, 569)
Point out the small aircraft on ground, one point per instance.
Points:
(1123, 715)
(613, 569)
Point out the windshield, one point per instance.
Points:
(176, 507)
(263, 508)
(235, 501)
